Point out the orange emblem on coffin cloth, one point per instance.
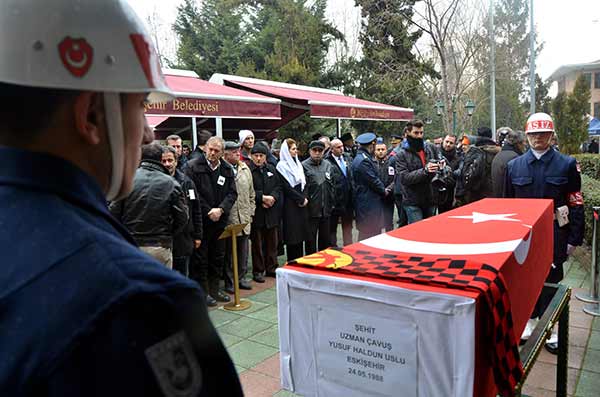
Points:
(328, 258)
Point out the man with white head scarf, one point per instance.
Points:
(247, 143)
(295, 214)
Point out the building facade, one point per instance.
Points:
(566, 76)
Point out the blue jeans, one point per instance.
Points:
(415, 214)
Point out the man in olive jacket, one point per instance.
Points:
(320, 185)
(155, 210)
(215, 182)
(241, 212)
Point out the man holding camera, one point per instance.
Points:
(416, 166)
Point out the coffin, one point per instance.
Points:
(431, 309)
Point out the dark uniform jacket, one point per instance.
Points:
(343, 190)
(387, 174)
(266, 182)
(320, 187)
(507, 153)
(82, 307)
(216, 189)
(183, 242)
(553, 176)
(414, 178)
(368, 190)
(155, 210)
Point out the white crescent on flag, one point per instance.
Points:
(519, 247)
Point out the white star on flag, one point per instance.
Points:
(479, 217)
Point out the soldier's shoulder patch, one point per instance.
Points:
(175, 366)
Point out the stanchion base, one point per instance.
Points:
(593, 309)
(587, 298)
(244, 304)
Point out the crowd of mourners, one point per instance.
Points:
(292, 202)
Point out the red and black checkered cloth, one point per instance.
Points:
(452, 273)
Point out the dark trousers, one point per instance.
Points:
(207, 262)
(346, 229)
(242, 259)
(555, 276)
(415, 214)
(388, 215)
(182, 265)
(264, 249)
(318, 231)
(401, 214)
(294, 251)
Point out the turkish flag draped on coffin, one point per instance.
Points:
(496, 250)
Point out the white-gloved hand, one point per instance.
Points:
(570, 249)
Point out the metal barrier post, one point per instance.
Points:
(593, 297)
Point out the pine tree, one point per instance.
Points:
(210, 37)
(389, 70)
(570, 113)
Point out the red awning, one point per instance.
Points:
(199, 98)
(322, 103)
(153, 121)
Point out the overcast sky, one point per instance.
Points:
(570, 29)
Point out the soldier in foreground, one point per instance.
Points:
(84, 311)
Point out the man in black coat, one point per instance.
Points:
(190, 237)
(343, 193)
(320, 185)
(215, 182)
(203, 137)
(416, 166)
(386, 174)
(155, 210)
(513, 146)
(454, 162)
(269, 199)
(477, 167)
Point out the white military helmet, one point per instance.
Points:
(539, 122)
(92, 45)
(86, 45)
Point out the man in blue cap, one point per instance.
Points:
(369, 190)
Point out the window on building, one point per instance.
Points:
(597, 80)
(597, 110)
(588, 78)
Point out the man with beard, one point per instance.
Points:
(190, 237)
(514, 146)
(545, 173)
(320, 187)
(416, 166)
(454, 161)
(247, 143)
(369, 191)
(215, 182)
(386, 174)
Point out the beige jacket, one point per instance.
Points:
(243, 209)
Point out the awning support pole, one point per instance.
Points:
(194, 135)
(339, 128)
(219, 125)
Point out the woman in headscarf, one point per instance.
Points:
(295, 213)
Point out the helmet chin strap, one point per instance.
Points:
(112, 107)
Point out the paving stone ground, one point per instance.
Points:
(252, 339)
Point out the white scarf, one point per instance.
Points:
(290, 167)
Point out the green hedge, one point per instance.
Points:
(590, 188)
(590, 164)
